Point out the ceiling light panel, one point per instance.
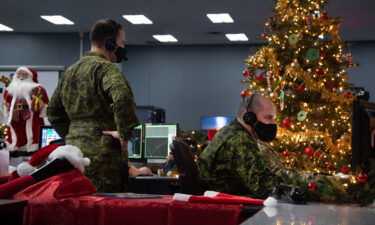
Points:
(57, 19)
(137, 19)
(165, 38)
(220, 18)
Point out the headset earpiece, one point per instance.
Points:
(110, 44)
(249, 117)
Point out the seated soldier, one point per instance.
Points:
(238, 161)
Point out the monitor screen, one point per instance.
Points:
(157, 140)
(215, 122)
(135, 144)
(46, 135)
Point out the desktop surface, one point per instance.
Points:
(313, 213)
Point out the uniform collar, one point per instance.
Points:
(92, 53)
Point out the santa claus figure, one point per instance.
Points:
(25, 102)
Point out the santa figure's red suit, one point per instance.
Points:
(25, 102)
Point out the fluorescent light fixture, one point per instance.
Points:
(5, 28)
(57, 19)
(165, 38)
(220, 18)
(137, 19)
(237, 37)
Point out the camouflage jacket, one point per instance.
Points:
(93, 92)
(235, 163)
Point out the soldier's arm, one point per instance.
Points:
(123, 105)
(251, 166)
(56, 113)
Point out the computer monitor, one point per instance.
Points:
(363, 134)
(157, 139)
(46, 135)
(215, 122)
(150, 114)
(135, 143)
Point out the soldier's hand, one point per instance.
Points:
(115, 134)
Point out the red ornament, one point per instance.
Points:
(245, 73)
(344, 170)
(309, 151)
(245, 93)
(329, 166)
(324, 16)
(362, 177)
(287, 123)
(330, 85)
(347, 94)
(319, 72)
(322, 53)
(286, 153)
(264, 35)
(301, 88)
(312, 186)
(318, 154)
(260, 76)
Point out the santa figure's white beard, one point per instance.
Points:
(21, 88)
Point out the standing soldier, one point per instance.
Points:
(93, 106)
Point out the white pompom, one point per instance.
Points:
(25, 169)
(270, 202)
(86, 161)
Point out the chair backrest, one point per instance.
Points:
(187, 168)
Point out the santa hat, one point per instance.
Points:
(35, 75)
(31, 72)
(221, 198)
(51, 152)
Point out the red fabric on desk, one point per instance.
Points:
(69, 184)
(47, 206)
(182, 213)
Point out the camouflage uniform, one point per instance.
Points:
(93, 96)
(235, 163)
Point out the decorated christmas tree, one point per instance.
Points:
(303, 69)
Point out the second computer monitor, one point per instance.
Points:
(157, 140)
(135, 143)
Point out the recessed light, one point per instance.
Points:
(57, 19)
(237, 37)
(165, 38)
(137, 19)
(220, 18)
(5, 28)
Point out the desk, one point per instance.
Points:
(160, 185)
(313, 213)
(11, 211)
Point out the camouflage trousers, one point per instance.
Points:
(108, 169)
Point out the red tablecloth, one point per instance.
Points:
(46, 207)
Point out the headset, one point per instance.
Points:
(249, 117)
(110, 44)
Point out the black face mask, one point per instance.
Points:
(265, 132)
(120, 54)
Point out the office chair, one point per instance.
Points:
(187, 168)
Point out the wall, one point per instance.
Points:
(188, 81)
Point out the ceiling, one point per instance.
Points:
(185, 19)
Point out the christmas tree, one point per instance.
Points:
(302, 68)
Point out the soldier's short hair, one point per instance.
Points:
(246, 106)
(103, 30)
